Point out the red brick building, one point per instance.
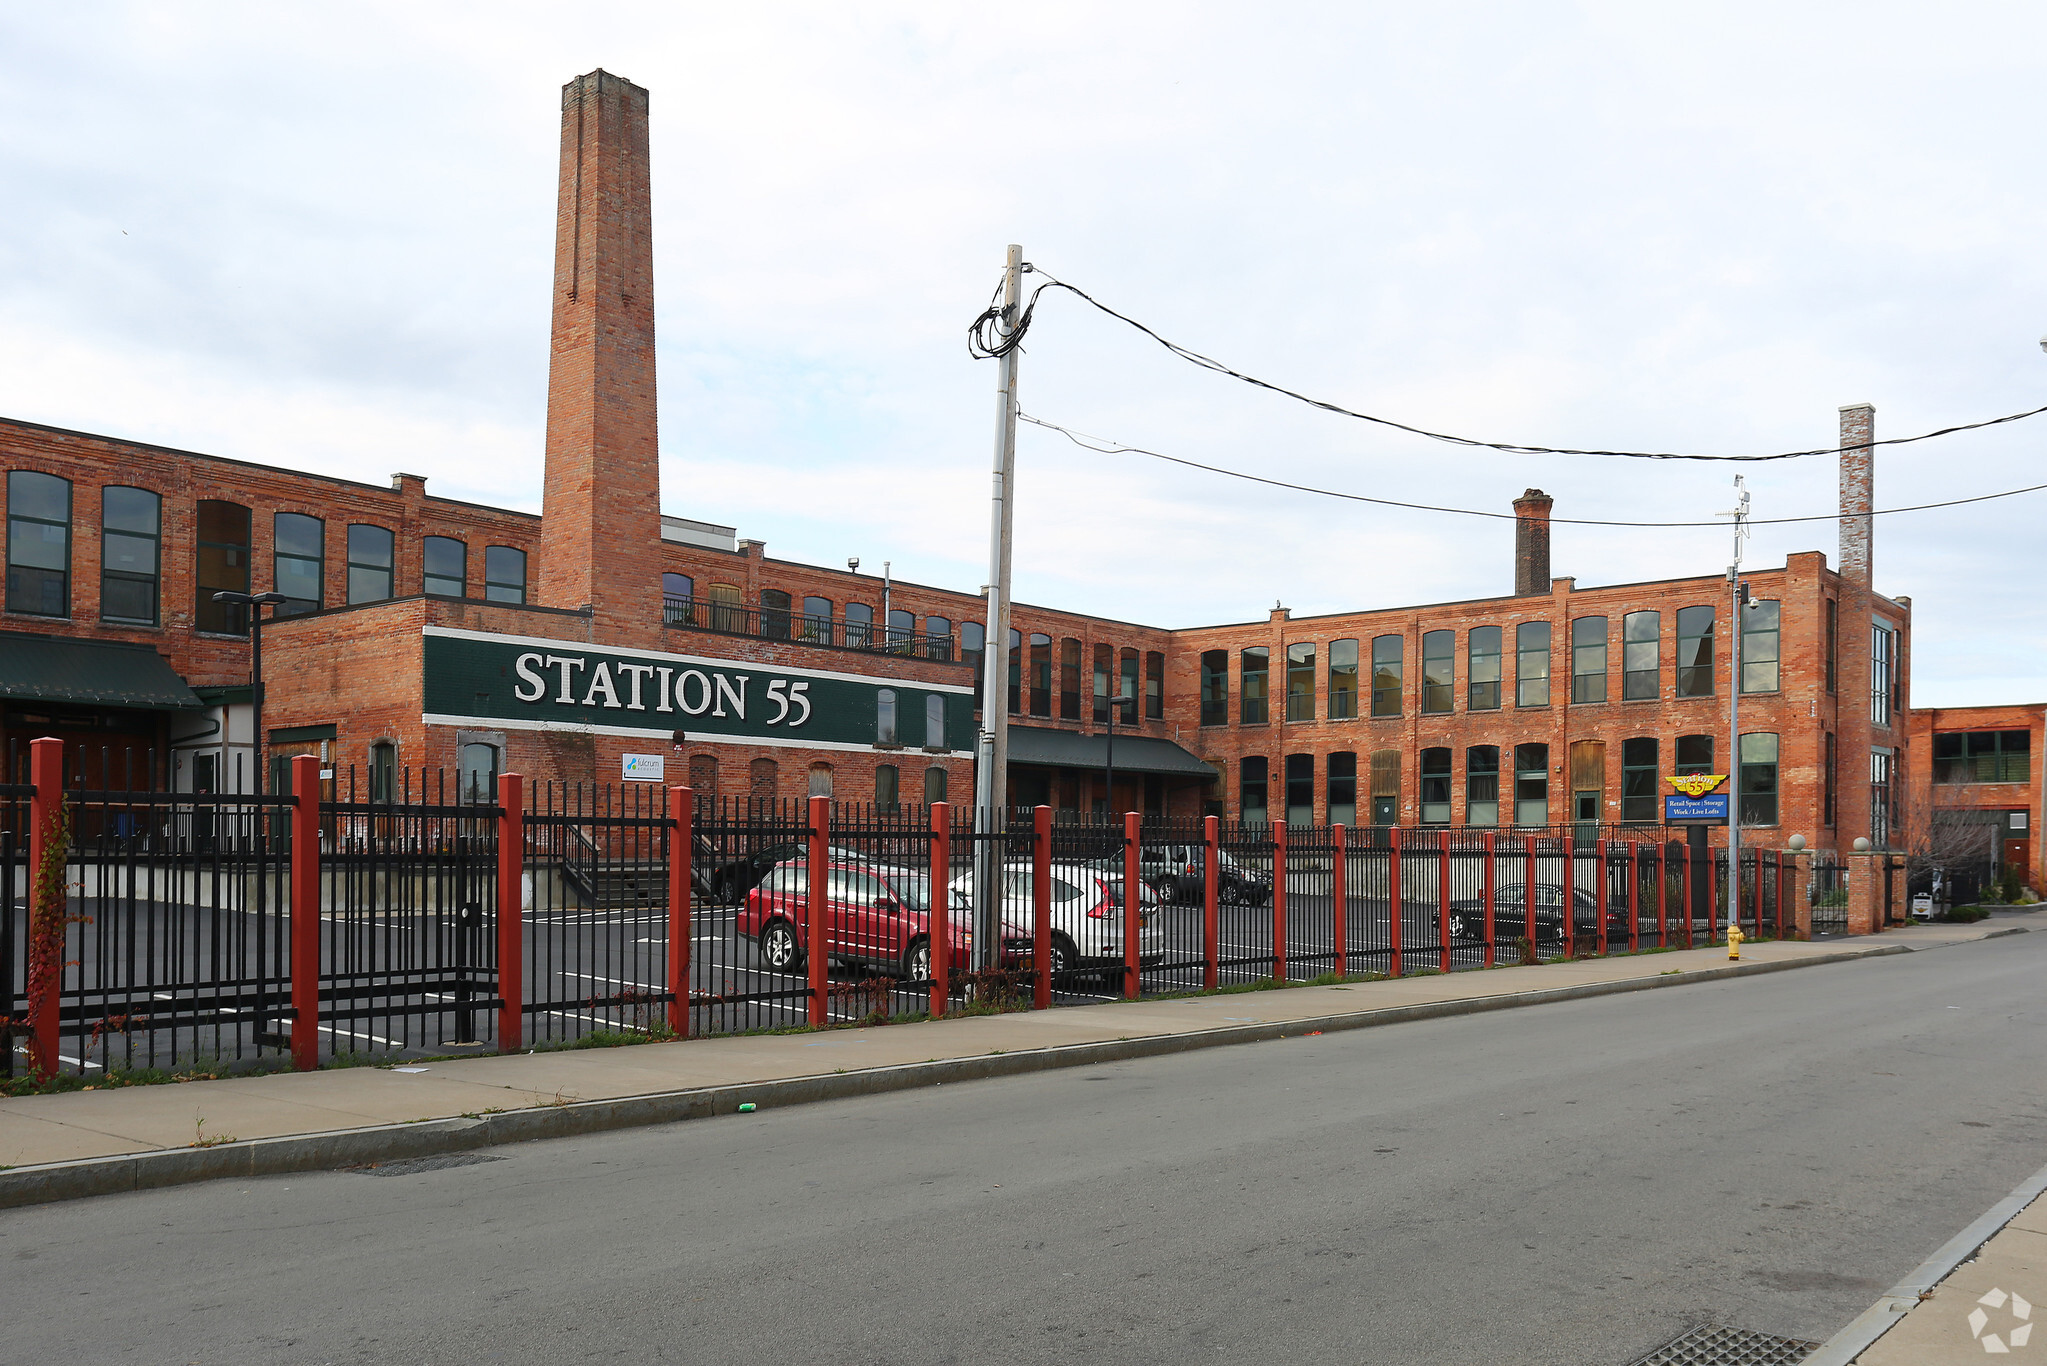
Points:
(425, 633)
(1975, 791)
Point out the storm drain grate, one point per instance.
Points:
(423, 1164)
(1727, 1347)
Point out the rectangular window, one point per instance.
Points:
(1300, 789)
(1215, 687)
(1982, 756)
(1759, 646)
(1759, 778)
(1387, 671)
(1833, 628)
(1435, 774)
(816, 623)
(504, 578)
(1251, 780)
(1588, 660)
(1154, 685)
(1041, 674)
(1639, 780)
(1880, 638)
(1015, 670)
(1300, 681)
(1531, 784)
(678, 600)
(1343, 679)
(38, 544)
(1482, 784)
(1482, 665)
(1385, 787)
(1827, 781)
(369, 563)
(1439, 671)
(1343, 788)
(1695, 652)
(1069, 679)
(223, 568)
(1694, 754)
(1881, 795)
(443, 563)
(1531, 664)
(1251, 685)
(1641, 655)
(131, 530)
(1105, 664)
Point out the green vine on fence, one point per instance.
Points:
(49, 913)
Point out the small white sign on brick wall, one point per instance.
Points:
(643, 768)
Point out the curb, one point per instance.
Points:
(1872, 1323)
(47, 1182)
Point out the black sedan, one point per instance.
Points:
(1510, 913)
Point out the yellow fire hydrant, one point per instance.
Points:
(1734, 941)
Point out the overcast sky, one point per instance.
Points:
(321, 237)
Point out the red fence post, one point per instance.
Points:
(1443, 901)
(1570, 897)
(1491, 884)
(1393, 910)
(1339, 892)
(938, 923)
(1041, 904)
(819, 908)
(45, 966)
(511, 913)
(305, 912)
(1211, 849)
(682, 850)
(1132, 921)
(1279, 901)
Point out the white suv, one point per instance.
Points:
(1086, 914)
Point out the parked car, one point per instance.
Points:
(879, 916)
(1510, 912)
(724, 880)
(1086, 914)
(1175, 872)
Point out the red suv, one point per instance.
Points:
(879, 916)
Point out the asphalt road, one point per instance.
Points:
(1572, 1184)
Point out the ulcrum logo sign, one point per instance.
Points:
(529, 683)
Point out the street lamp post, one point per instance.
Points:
(255, 602)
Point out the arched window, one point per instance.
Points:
(369, 563)
(678, 600)
(902, 631)
(817, 620)
(885, 716)
(934, 785)
(223, 568)
(131, 527)
(504, 574)
(820, 780)
(1041, 674)
(384, 771)
(479, 772)
(761, 780)
(938, 638)
(859, 625)
(443, 563)
(726, 613)
(934, 721)
(1435, 773)
(888, 781)
(703, 776)
(774, 614)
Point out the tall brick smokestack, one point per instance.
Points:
(1858, 489)
(601, 503)
(1531, 544)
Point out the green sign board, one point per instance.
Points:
(528, 683)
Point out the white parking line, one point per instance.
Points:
(620, 981)
(350, 1033)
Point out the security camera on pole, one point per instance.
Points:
(1738, 591)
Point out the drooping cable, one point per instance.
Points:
(987, 336)
(1104, 447)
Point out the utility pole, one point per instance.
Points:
(888, 616)
(1738, 593)
(991, 769)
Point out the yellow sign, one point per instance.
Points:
(1696, 785)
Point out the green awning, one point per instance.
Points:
(99, 673)
(1134, 753)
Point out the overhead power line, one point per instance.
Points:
(1102, 446)
(987, 338)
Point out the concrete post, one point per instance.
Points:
(1800, 911)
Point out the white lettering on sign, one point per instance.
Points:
(529, 676)
(633, 673)
(661, 690)
(566, 663)
(728, 693)
(600, 681)
(703, 681)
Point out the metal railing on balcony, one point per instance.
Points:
(779, 624)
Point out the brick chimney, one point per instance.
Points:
(1858, 490)
(601, 528)
(1531, 544)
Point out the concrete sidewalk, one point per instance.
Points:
(90, 1142)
